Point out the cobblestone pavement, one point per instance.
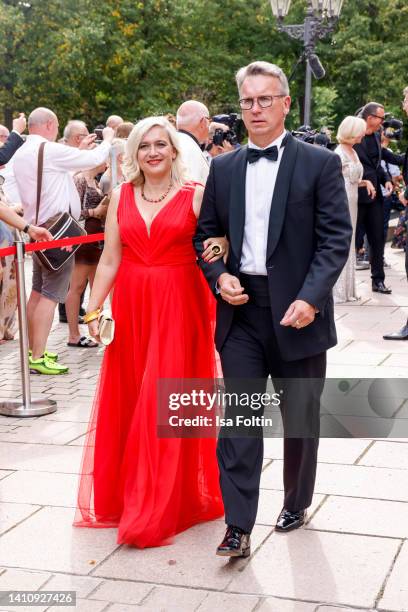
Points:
(352, 555)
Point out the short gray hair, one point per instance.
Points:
(266, 69)
(405, 92)
(72, 125)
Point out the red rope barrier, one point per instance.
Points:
(53, 244)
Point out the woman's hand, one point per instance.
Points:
(210, 255)
(93, 329)
(99, 212)
(370, 189)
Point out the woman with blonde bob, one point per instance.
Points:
(148, 486)
(350, 132)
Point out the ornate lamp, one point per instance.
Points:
(280, 8)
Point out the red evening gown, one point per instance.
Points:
(149, 487)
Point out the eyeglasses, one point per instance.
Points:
(2, 180)
(263, 101)
(378, 117)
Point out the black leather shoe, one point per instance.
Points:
(290, 520)
(379, 287)
(236, 543)
(402, 334)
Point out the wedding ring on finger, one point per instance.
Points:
(297, 323)
(216, 249)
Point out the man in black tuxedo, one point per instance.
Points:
(283, 207)
(14, 141)
(371, 210)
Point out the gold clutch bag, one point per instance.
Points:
(106, 327)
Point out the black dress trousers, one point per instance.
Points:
(251, 352)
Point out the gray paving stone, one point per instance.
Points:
(349, 480)
(287, 566)
(83, 585)
(5, 474)
(173, 599)
(121, 591)
(396, 591)
(46, 432)
(11, 514)
(40, 457)
(52, 544)
(82, 605)
(228, 603)
(189, 561)
(273, 604)
(42, 488)
(364, 516)
(22, 580)
(387, 454)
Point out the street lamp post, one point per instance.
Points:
(321, 19)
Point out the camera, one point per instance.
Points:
(315, 137)
(392, 127)
(98, 131)
(230, 135)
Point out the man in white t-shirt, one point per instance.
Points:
(58, 195)
(193, 122)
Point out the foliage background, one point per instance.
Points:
(88, 59)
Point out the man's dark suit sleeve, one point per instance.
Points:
(13, 142)
(333, 233)
(393, 158)
(209, 226)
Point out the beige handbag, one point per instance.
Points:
(106, 327)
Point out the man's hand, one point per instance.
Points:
(389, 188)
(226, 147)
(19, 124)
(299, 314)
(39, 233)
(403, 200)
(231, 290)
(108, 134)
(88, 142)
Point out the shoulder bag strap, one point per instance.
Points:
(39, 178)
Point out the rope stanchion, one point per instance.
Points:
(28, 407)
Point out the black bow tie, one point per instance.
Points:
(254, 154)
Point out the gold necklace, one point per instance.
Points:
(152, 201)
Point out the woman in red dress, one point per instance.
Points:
(149, 487)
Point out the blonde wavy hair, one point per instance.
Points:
(130, 166)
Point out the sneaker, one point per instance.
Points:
(46, 366)
(48, 354)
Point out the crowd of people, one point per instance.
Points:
(273, 226)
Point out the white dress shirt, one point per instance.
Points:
(194, 160)
(260, 184)
(58, 193)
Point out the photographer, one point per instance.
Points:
(218, 142)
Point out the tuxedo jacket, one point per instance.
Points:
(13, 142)
(308, 242)
(373, 171)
